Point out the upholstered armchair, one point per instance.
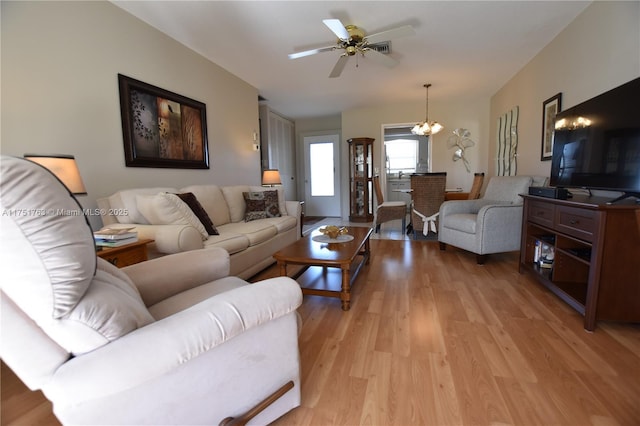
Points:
(173, 340)
(491, 224)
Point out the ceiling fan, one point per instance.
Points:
(353, 40)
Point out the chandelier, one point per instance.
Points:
(427, 127)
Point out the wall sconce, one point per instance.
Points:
(271, 177)
(64, 167)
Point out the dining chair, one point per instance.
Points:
(387, 210)
(476, 186)
(427, 195)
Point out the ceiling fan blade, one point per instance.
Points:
(338, 29)
(404, 31)
(310, 52)
(337, 69)
(381, 58)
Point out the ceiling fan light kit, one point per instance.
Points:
(353, 40)
(426, 127)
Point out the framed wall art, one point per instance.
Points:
(161, 128)
(550, 108)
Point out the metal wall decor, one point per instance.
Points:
(506, 161)
(461, 140)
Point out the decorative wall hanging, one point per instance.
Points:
(461, 140)
(161, 128)
(506, 164)
(550, 108)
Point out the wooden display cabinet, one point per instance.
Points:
(361, 179)
(596, 262)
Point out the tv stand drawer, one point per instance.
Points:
(541, 213)
(579, 223)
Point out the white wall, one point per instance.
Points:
(598, 51)
(60, 62)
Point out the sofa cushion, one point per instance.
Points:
(282, 223)
(232, 242)
(190, 200)
(260, 205)
(212, 200)
(168, 209)
(126, 205)
(235, 201)
(257, 231)
(188, 298)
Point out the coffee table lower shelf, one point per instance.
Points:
(328, 282)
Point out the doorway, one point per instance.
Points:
(322, 175)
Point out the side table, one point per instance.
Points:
(125, 255)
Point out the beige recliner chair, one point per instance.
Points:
(172, 340)
(491, 224)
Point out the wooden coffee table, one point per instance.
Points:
(329, 269)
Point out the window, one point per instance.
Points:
(403, 150)
(402, 155)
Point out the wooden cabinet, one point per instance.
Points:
(126, 255)
(361, 179)
(595, 264)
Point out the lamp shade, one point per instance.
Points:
(65, 169)
(271, 177)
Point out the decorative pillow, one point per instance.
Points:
(261, 205)
(190, 200)
(168, 209)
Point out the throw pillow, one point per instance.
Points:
(168, 209)
(261, 205)
(190, 200)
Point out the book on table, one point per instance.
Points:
(115, 234)
(115, 243)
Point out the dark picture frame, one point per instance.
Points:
(161, 128)
(550, 108)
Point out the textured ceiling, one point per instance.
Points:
(463, 48)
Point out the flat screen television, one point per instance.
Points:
(596, 144)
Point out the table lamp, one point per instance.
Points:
(64, 167)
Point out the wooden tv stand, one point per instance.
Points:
(596, 268)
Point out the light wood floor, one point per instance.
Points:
(434, 339)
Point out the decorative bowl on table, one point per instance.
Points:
(333, 232)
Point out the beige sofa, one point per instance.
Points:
(156, 214)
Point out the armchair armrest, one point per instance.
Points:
(167, 346)
(462, 206)
(500, 226)
(163, 277)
